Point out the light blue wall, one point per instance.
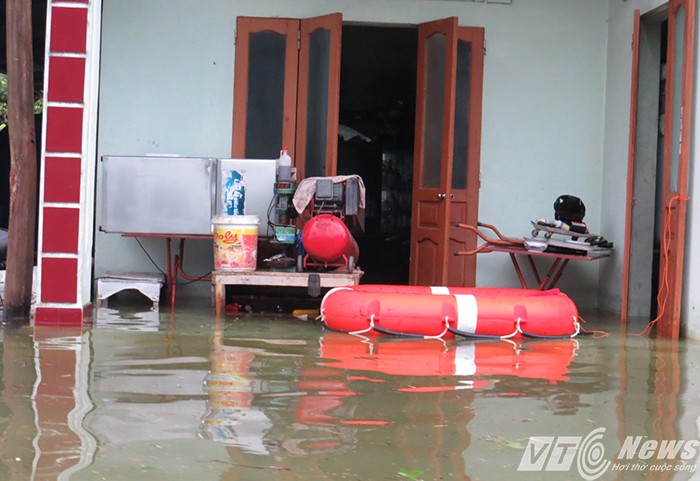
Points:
(167, 80)
(542, 125)
(166, 77)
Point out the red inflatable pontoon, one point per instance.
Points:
(439, 311)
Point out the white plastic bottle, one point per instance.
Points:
(284, 166)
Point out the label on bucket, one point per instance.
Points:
(235, 247)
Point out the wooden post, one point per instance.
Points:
(23, 176)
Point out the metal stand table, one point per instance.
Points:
(559, 262)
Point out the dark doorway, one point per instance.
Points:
(376, 133)
(658, 198)
(645, 240)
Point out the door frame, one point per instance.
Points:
(674, 202)
(631, 156)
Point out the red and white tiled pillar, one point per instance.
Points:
(67, 181)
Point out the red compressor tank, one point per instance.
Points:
(326, 239)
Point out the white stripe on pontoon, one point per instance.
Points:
(466, 313)
(439, 290)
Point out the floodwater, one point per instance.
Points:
(182, 396)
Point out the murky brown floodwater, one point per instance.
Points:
(183, 397)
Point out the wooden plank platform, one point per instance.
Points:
(221, 279)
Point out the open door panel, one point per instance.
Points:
(464, 198)
(432, 172)
(319, 95)
(679, 90)
(446, 152)
(265, 87)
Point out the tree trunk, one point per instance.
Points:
(23, 176)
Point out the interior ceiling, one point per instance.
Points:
(38, 34)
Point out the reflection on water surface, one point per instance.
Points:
(180, 396)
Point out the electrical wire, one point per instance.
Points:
(664, 288)
(271, 224)
(594, 333)
(203, 277)
(196, 279)
(149, 256)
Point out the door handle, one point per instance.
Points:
(441, 196)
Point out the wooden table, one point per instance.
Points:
(221, 279)
(559, 262)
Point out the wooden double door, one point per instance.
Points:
(286, 93)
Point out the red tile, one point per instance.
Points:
(62, 179)
(64, 129)
(59, 317)
(66, 79)
(61, 225)
(46, 316)
(59, 280)
(71, 317)
(87, 314)
(68, 29)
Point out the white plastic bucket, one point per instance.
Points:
(235, 242)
